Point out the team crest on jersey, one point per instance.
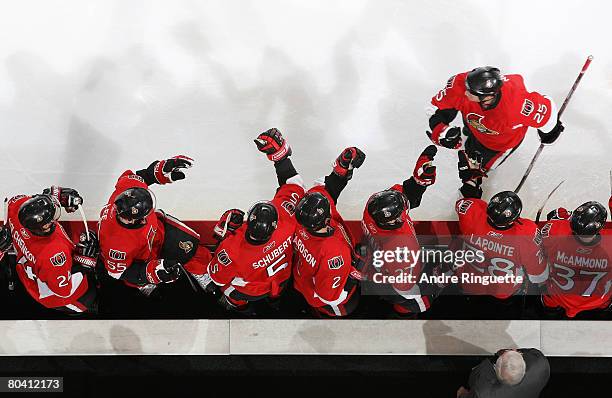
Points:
(58, 259)
(186, 246)
(464, 206)
(527, 107)
(116, 255)
(289, 207)
(24, 233)
(584, 250)
(475, 120)
(335, 262)
(303, 234)
(224, 258)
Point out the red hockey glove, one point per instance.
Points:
(558, 214)
(273, 144)
(351, 158)
(230, 221)
(87, 250)
(444, 136)
(68, 198)
(162, 271)
(470, 166)
(424, 172)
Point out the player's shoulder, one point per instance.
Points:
(556, 228)
(57, 251)
(465, 206)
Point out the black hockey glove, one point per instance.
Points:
(424, 172)
(87, 250)
(273, 144)
(448, 137)
(351, 158)
(162, 271)
(230, 221)
(68, 198)
(5, 238)
(552, 135)
(166, 171)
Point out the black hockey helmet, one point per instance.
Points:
(313, 211)
(39, 214)
(483, 82)
(134, 204)
(262, 220)
(503, 209)
(387, 207)
(588, 219)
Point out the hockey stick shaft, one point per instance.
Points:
(9, 269)
(565, 103)
(546, 200)
(84, 222)
(193, 286)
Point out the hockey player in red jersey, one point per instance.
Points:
(324, 273)
(497, 111)
(56, 272)
(579, 258)
(509, 247)
(387, 226)
(141, 246)
(253, 260)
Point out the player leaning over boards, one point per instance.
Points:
(497, 111)
(327, 269)
(141, 246)
(579, 255)
(387, 226)
(57, 273)
(253, 261)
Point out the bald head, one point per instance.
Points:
(510, 368)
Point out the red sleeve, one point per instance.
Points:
(287, 197)
(127, 180)
(467, 209)
(222, 268)
(450, 96)
(534, 109)
(334, 269)
(532, 253)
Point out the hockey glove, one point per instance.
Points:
(273, 144)
(424, 172)
(558, 214)
(166, 171)
(87, 250)
(351, 158)
(444, 136)
(5, 241)
(472, 188)
(68, 198)
(162, 271)
(230, 221)
(470, 166)
(552, 135)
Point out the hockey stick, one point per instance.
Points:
(9, 272)
(184, 271)
(567, 98)
(84, 222)
(546, 200)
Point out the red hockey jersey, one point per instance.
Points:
(259, 270)
(504, 126)
(580, 275)
(44, 263)
(513, 252)
(383, 240)
(121, 246)
(324, 264)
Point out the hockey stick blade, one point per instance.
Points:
(546, 200)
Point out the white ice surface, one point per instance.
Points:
(91, 88)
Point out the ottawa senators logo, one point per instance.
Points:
(475, 120)
(335, 262)
(58, 259)
(185, 246)
(116, 254)
(224, 258)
